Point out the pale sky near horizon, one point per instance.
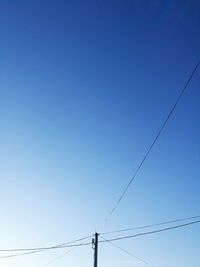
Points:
(84, 88)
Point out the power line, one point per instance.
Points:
(150, 225)
(129, 253)
(154, 142)
(71, 244)
(151, 232)
(20, 254)
(67, 244)
(102, 241)
(44, 249)
(60, 256)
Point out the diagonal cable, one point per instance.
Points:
(128, 252)
(150, 225)
(152, 232)
(66, 244)
(154, 142)
(61, 256)
(45, 249)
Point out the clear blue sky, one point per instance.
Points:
(84, 88)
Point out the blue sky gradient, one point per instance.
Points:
(84, 88)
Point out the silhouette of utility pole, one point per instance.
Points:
(95, 247)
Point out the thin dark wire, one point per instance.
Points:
(103, 241)
(152, 232)
(20, 254)
(154, 141)
(45, 248)
(75, 245)
(60, 256)
(129, 253)
(150, 225)
(74, 241)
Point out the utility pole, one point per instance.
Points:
(95, 247)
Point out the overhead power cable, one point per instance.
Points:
(151, 232)
(102, 241)
(153, 143)
(129, 253)
(20, 254)
(60, 256)
(67, 244)
(150, 225)
(45, 249)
